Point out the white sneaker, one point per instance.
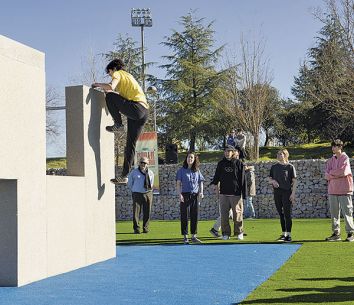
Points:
(225, 237)
(240, 236)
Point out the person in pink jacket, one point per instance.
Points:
(340, 191)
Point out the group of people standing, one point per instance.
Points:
(233, 181)
(231, 185)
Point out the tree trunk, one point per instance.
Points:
(266, 142)
(192, 142)
(256, 146)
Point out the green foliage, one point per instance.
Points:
(56, 163)
(273, 115)
(190, 91)
(325, 84)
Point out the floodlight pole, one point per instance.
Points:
(142, 58)
(142, 18)
(154, 92)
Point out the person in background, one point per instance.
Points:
(283, 180)
(125, 96)
(240, 143)
(230, 184)
(340, 190)
(231, 138)
(189, 185)
(140, 182)
(251, 192)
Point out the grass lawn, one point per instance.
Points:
(305, 151)
(318, 273)
(56, 163)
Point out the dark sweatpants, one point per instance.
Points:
(190, 203)
(142, 202)
(283, 205)
(137, 116)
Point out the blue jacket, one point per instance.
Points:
(136, 181)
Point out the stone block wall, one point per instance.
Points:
(311, 197)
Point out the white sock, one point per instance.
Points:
(284, 234)
(289, 234)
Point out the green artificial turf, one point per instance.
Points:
(319, 272)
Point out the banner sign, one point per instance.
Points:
(146, 146)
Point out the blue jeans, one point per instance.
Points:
(249, 209)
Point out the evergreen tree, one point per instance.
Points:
(326, 83)
(192, 85)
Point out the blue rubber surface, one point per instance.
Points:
(174, 275)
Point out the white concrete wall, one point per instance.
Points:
(50, 225)
(81, 220)
(22, 153)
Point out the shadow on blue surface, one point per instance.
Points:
(159, 275)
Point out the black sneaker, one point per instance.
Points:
(214, 232)
(288, 239)
(115, 128)
(186, 240)
(350, 237)
(334, 237)
(281, 238)
(120, 180)
(136, 232)
(196, 240)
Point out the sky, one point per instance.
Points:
(69, 31)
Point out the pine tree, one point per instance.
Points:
(191, 88)
(326, 82)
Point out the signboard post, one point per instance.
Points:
(146, 146)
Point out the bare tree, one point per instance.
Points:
(248, 89)
(92, 69)
(52, 100)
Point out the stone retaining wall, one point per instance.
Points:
(311, 197)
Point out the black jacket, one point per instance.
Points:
(231, 175)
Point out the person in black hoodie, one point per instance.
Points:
(230, 184)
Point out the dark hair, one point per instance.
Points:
(115, 64)
(337, 142)
(195, 165)
(239, 129)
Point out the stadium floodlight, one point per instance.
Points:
(141, 17)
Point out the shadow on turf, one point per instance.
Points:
(319, 295)
(344, 279)
(178, 241)
(207, 240)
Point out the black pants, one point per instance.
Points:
(190, 205)
(283, 205)
(137, 116)
(141, 201)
